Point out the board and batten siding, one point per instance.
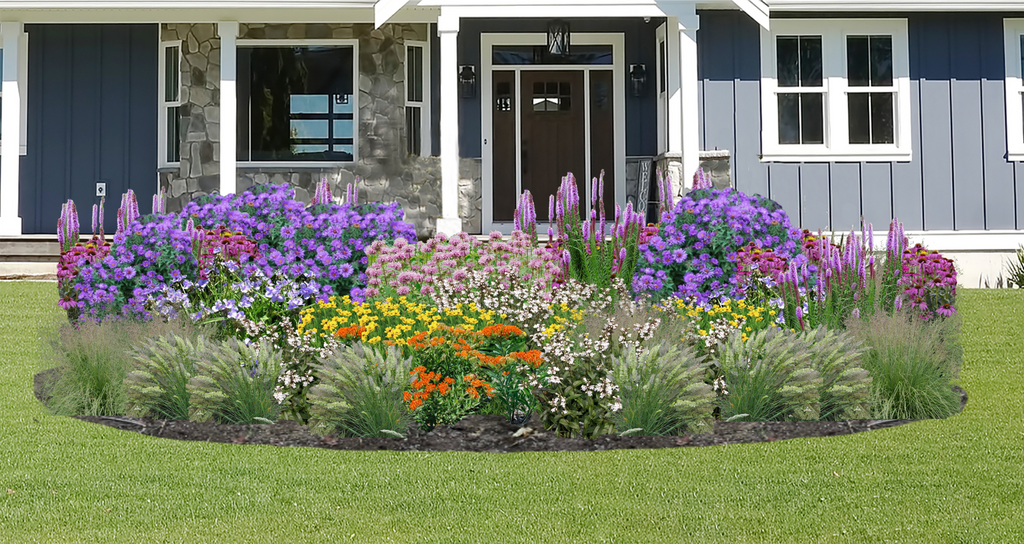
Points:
(92, 117)
(959, 177)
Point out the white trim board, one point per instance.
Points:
(1013, 32)
(487, 42)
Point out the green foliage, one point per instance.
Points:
(913, 364)
(1015, 270)
(234, 383)
(157, 385)
(92, 362)
(846, 387)
(578, 400)
(663, 392)
(360, 392)
(512, 396)
(769, 377)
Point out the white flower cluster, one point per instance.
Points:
(720, 386)
(290, 379)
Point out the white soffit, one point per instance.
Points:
(758, 10)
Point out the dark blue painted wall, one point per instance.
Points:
(92, 116)
(641, 112)
(959, 177)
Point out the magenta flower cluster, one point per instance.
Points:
(929, 282)
(694, 254)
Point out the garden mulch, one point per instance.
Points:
(478, 433)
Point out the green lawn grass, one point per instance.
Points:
(954, 480)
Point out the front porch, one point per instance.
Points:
(446, 178)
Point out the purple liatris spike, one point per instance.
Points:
(95, 217)
(551, 208)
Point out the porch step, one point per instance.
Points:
(30, 257)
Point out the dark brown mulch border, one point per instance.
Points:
(490, 434)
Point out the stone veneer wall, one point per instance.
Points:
(386, 172)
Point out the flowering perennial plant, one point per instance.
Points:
(587, 254)
(929, 282)
(694, 253)
(379, 322)
(320, 248)
(443, 400)
(415, 269)
(707, 327)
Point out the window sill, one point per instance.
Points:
(279, 165)
(1015, 157)
(836, 157)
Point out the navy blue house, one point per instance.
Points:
(843, 112)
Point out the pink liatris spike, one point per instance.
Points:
(701, 180)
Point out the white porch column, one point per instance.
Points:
(228, 31)
(690, 107)
(683, 109)
(10, 131)
(448, 30)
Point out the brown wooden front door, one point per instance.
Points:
(553, 139)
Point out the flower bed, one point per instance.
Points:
(333, 315)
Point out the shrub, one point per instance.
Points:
(913, 365)
(694, 253)
(234, 383)
(360, 392)
(663, 391)
(846, 387)
(767, 378)
(157, 385)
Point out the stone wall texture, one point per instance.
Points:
(384, 170)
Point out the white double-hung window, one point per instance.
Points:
(170, 104)
(835, 90)
(1013, 32)
(417, 97)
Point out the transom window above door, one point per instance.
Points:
(835, 90)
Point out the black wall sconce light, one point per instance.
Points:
(558, 38)
(467, 81)
(638, 78)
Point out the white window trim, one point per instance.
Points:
(241, 43)
(661, 41)
(424, 105)
(835, 87)
(23, 84)
(165, 104)
(1013, 29)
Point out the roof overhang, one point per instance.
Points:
(384, 10)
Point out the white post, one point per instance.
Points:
(228, 31)
(675, 96)
(10, 131)
(690, 108)
(448, 30)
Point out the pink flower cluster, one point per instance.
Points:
(71, 260)
(406, 268)
(929, 280)
(220, 245)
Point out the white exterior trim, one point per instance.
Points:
(424, 104)
(835, 87)
(1013, 30)
(13, 113)
(487, 42)
(448, 30)
(228, 32)
(165, 104)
